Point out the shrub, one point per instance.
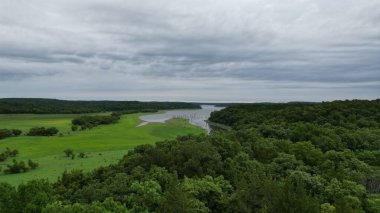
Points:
(8, 153)
(32, 165)
(16, 167)
(5, 133)
(74, 128)
(3, 157)
(82, 155)
(11, 153)
(42, 131)
(16, 132)
(68, 152)
(88, 122)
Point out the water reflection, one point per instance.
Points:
(195, 116)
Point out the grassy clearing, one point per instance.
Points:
(112, 141)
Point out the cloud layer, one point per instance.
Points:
(190, 50)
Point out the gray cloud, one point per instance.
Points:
(242, 50)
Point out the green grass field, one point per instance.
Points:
(103, 145)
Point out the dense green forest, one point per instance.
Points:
(52, 106)
(297, 157)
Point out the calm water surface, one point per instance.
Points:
(195, 116)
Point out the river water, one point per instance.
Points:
(196, 117)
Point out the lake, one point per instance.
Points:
(196, 117)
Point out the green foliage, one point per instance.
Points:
(327, 208)
(6, 133)
(109, 205)
(88, 122)
(42, 131)
(7, 197)
(213, 192)
(16, 132)
(16, 167)
(144, 196)
(11, 153)
(69, 152)
(30, 197)
(176, 199)
(32, 165)
(8, 153)
(343, 165)
(292, 197)
(82, 155)
(3, 157)
(307, 152)
(33, 196)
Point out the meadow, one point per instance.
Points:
(102, 145)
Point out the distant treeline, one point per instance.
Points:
(53, 106)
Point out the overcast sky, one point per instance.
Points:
(190, 50)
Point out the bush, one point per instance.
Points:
(3, 157)
(16, 132)
(88, 122)
(32, 165)
(8, 153)
(42, 131)
(82, 155)
(16, 167)
(68, 152)
(11, 153)
(5, 133)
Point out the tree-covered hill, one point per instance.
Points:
(53, 106)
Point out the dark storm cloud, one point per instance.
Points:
(179, 48)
